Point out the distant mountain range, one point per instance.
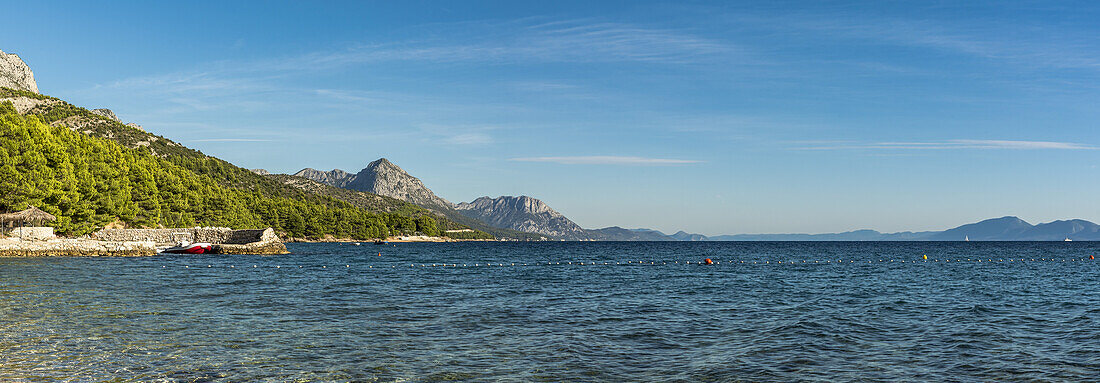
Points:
(519, 213)
(531, 215)
(996, 229)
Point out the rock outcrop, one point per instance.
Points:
(336, 177)
(15, 74)
(106, 113)
(262, 172)
(24, 105)
(523, 213)
(384, 178)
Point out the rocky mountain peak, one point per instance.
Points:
(522, 213)
(15, 74)
(383, 177)
(380, 177)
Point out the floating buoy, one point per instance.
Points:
(379, 254)
(926, 257)
(709, 262)
(1092, 257)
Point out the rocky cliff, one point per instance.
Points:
(336, 177)
(15, 74)
(523, 213)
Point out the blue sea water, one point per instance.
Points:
(841, 311)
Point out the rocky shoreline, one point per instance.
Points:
(15, 247)
(143, 243)
(416, 238)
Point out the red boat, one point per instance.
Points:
(193, 248)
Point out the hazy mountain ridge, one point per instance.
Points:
(1007, 228)
(615, 233)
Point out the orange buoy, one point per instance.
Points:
(379, 254)
(1092, 257)
(709, 262)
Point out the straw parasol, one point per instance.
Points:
(32, 214)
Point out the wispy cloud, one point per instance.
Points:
(606, 160)
(566, 41)
(946, 145)
(1035, 45)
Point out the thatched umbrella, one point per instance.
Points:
(32, 214)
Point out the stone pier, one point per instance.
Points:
(15, 247)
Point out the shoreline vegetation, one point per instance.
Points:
(92, 172)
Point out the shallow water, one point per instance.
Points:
(337, 312)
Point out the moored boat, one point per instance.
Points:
(189, 248)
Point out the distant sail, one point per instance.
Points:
(967, 238)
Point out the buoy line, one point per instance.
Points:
(705, 262)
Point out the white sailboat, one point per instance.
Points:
(1068, 240)
(967, 238)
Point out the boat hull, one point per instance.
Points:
(194, 248)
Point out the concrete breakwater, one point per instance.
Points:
(139, 242)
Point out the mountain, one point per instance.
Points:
(381, 177)
(1074, 229)
(857, 235)
(336, 177)
(15, 74)
(996, 229)
(532, 215)
(615, 233)
(522, 213)
(685, 236)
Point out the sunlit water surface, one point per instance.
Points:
(338, 312)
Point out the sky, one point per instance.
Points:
(710, 117)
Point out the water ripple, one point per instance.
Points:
(334, 312)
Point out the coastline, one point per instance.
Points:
(398, 239)
(141, 242)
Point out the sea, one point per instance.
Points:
(561, 312)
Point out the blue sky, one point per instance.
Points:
(710, 117)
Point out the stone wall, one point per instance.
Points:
(32, 233)
(13, 247)
(215, 235)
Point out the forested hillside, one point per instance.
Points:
(91, 171)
